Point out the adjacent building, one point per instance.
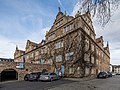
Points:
(116, 69)
(70, 46)
(6, 60)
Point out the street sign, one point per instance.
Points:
(20, 65)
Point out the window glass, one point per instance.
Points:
(59, 58)
(59, 45)
(69, 56)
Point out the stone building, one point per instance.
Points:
(116, 69)
(6, 60)
(70, 46)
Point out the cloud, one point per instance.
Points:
(38, 35)
(20, 21)
(76, 8)
(7, 46)
(111, 33)
(60, 3)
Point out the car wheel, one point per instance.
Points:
(51, 79)
(26, 79)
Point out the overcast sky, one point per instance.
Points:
(21, 20)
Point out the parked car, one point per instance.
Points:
(102, 75)
(48, 76)
(109, 74)
(117, 74)
(26, 77)
(113, 74)
(34, 76)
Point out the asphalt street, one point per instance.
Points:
(34, 85)
(65, 84)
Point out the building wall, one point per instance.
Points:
(27, 69)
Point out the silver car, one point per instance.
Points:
(48, 76)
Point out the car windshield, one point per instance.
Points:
(45, 73)
(102, 73)
(33, 73)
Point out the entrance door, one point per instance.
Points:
(62, 69)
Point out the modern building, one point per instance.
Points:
(70, 46)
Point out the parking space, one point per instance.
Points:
(33, 85)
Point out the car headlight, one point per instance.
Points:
(46, 77)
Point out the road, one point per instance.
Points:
(95, 84)
(34, 85)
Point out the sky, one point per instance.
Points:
(21, 20)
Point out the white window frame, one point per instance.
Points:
(59, 58)
(71, 70)
(59, 45)
(68, 56)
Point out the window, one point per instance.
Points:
(69, 56)
(59, 45)
(52, 36)
(43, 50)
(69, 27)
(102, 55)
(92, 71)
(27, 56)
(31, 55)
(59, 58)
(49, 61)
(87, 70)
(43, 61)
(92, 47)
(36, 53)
(86, 57)
(97, 62)
(92, 59)
(86, 45)
(71, 70)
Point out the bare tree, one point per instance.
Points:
(101, 9)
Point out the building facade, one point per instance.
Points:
(116, 69)
(70, 46)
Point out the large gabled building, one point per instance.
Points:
(70, 46)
